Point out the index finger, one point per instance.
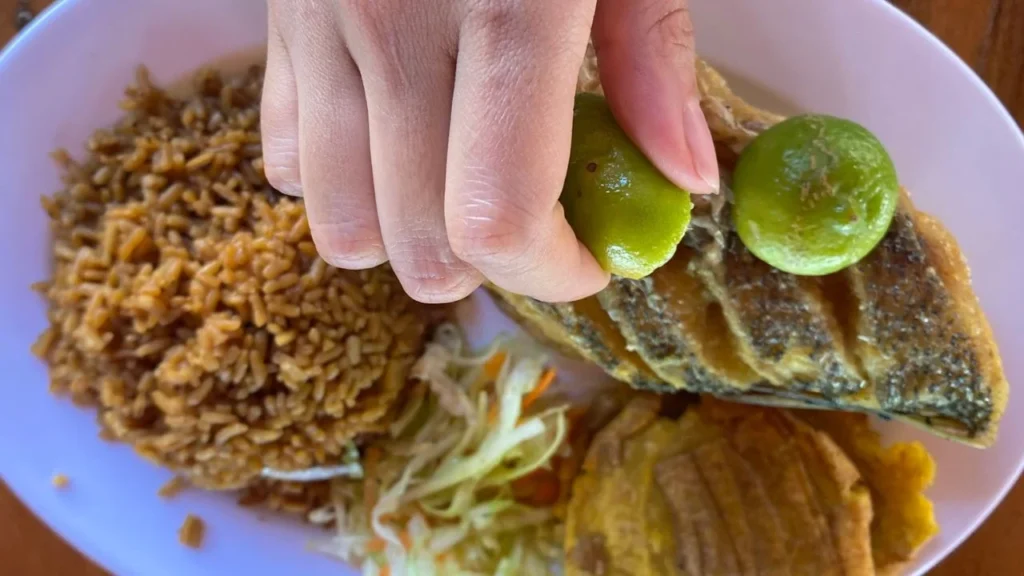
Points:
(508, 148)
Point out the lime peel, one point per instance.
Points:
(814, 194)
(625, 211)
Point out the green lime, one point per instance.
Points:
(621, 207)
(814, 194)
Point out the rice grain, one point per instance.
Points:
(188, 304)
(192, 531)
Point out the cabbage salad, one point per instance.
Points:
(467, 480)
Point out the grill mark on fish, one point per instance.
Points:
(646, 320)
(580, 336)
(784, 324)
(589, 321)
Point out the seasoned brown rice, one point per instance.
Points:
(173, 487)
(189, 306)
(192, 531)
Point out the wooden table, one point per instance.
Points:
(987, 34)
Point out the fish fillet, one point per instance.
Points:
(900, 333)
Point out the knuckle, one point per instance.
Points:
(430, 275)
(671, 25)
(503, 29)
(513, 16)
(301, 20)
(496, 244)
(488, 228)
(495, 15)
(361, 12)
(375, 22)
(515, 43)
(395, 45)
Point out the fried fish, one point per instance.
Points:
(581, 329)
(900, 333)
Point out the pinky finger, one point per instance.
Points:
(279, 117)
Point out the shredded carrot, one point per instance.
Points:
(542, 386)
(423, 512)
(385, 570)
(490, 373)
(376, 545)
(545, 382)
(493, 366)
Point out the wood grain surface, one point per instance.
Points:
(987, 34)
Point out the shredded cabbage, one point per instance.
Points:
(438, 499)
(349, 468)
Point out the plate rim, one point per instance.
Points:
(993, 99)
(75, 531)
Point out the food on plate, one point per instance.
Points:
(899, 333)
(468, 477)
(732, 489)
(173, 487)
(584, 329)
(922, 337)
(189, 307)
(293, 498)
(192, 531)
(813, 194)
(621, 207)
(897, 476)
(188, 304)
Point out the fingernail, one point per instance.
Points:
(355, 261)
(702, 147)
(288, 188)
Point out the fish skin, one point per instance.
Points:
(645, 319)
(784, 325)
(577, 335)
(923, 339)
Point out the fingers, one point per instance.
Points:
(645, 51)
(279, 116)
(410, 95)
(509, 148)
(333, 140)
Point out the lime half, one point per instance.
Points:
(620, 206)
(814, 194)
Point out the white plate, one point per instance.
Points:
(953, 143)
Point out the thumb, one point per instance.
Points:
(645, 53)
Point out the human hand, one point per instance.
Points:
(435, 134)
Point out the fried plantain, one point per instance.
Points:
(737, 490)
